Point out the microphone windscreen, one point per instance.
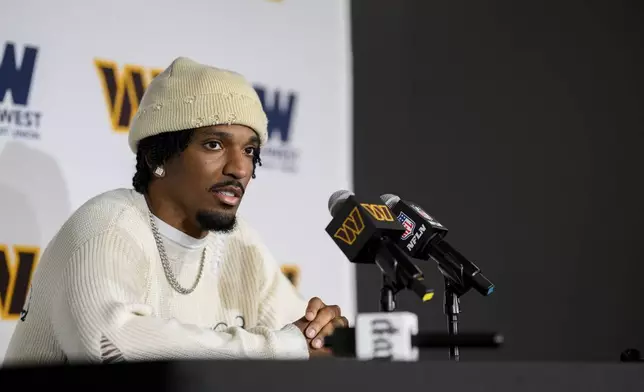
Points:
(390, 200)
(336, 199)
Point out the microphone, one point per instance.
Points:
(423, 238)
(365, 231)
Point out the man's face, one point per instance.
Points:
(209, 178)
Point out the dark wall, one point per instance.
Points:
(520, 126)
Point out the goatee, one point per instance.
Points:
(219, 222)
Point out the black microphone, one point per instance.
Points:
(423, 239)
(366, 231)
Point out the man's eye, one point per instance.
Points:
(213, 145)
(251, 150)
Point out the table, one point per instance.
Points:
(331, 375)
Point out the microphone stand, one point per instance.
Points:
(460, 275)
(452, 309)
(455, 287)
(387, 295)
(399, 272)
(397, 276)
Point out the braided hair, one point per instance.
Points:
(155, 150)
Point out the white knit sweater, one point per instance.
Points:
(100, 294)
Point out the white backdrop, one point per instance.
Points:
(59, 146)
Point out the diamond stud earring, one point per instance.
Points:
(159, 171)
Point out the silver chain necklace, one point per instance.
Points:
(166, 263)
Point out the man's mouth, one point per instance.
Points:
(230, 195)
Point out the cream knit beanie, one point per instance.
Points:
(190, 95)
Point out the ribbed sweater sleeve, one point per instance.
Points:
(100, 312)
(281, 303)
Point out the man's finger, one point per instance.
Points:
(324, 317)
(327, 330)
(341, 322)
(315, 304)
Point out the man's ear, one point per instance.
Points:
(148, 160)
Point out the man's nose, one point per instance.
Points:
(236, 165)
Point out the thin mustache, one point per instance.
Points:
(227, 183)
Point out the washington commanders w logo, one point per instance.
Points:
(379, 211)
(123, 90)
(351, 227)
(16, 271)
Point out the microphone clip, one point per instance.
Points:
(399, 273)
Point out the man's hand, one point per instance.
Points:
(319, 321)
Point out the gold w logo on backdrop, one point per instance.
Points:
(380, 212)
(351, 227)
(15, 279)
(123, 90)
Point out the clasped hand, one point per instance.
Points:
(319, 321)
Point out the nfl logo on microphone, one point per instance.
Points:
(408, 224)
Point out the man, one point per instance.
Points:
(167, 270)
